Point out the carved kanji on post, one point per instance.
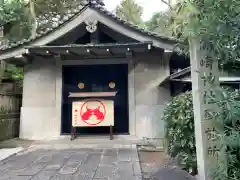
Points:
(205, 84)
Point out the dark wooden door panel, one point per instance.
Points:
(96, 78)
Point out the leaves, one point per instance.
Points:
(130, 11)
(216, 23)
(26, 15)
(13, 72)
(160, 23)
(15, 12)
(179, 119)
(24, 19)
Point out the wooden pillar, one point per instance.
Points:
(205, 83)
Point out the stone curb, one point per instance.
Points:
(18, 150)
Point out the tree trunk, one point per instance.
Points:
(33, 18)
(3, 66)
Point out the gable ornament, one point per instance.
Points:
(91, 25)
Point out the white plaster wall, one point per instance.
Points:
(41, 109)
(150, 98)
(39, 118)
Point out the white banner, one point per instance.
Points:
(93, 113)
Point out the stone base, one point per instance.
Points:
(39, 123)
(149, 123)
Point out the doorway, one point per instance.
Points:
(96, 78)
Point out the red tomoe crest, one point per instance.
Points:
(96, 110)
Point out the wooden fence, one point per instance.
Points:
(10, 104)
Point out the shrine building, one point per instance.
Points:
(94, 54)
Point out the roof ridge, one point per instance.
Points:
(144, 30)
(75, 12)
(68, 16)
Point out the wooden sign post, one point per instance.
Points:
(205, 83)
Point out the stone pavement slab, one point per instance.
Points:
(6, 152)
(64, 162)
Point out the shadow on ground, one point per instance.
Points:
(157, 166)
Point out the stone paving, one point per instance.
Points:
(75, 163)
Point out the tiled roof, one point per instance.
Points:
(101, 9)
(39, 34)
(75, 12)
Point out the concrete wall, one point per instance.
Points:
(42, 94)
(39, 118)
(150, 98)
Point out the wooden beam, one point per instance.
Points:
(72, 36)
(90, 52)
(28, 58)
(82, 57)
(129, 54)
(72, 53)
(109, 51)
(20, 60)
(115, 35)
(49, 52)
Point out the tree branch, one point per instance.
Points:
(167, 3)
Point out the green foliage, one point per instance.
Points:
(160, 23)
(130, 11)
(51, 11)
(179, 119)
(12, 11)
(10, 71)
(22, 20)
(215, 22)
(227, 136)
(13, 72)
(15, 12)
(23, 17)
(180, 137)
(171, 22)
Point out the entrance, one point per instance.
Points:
(97, 78)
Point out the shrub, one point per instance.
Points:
(228, 136)
(179, 135)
